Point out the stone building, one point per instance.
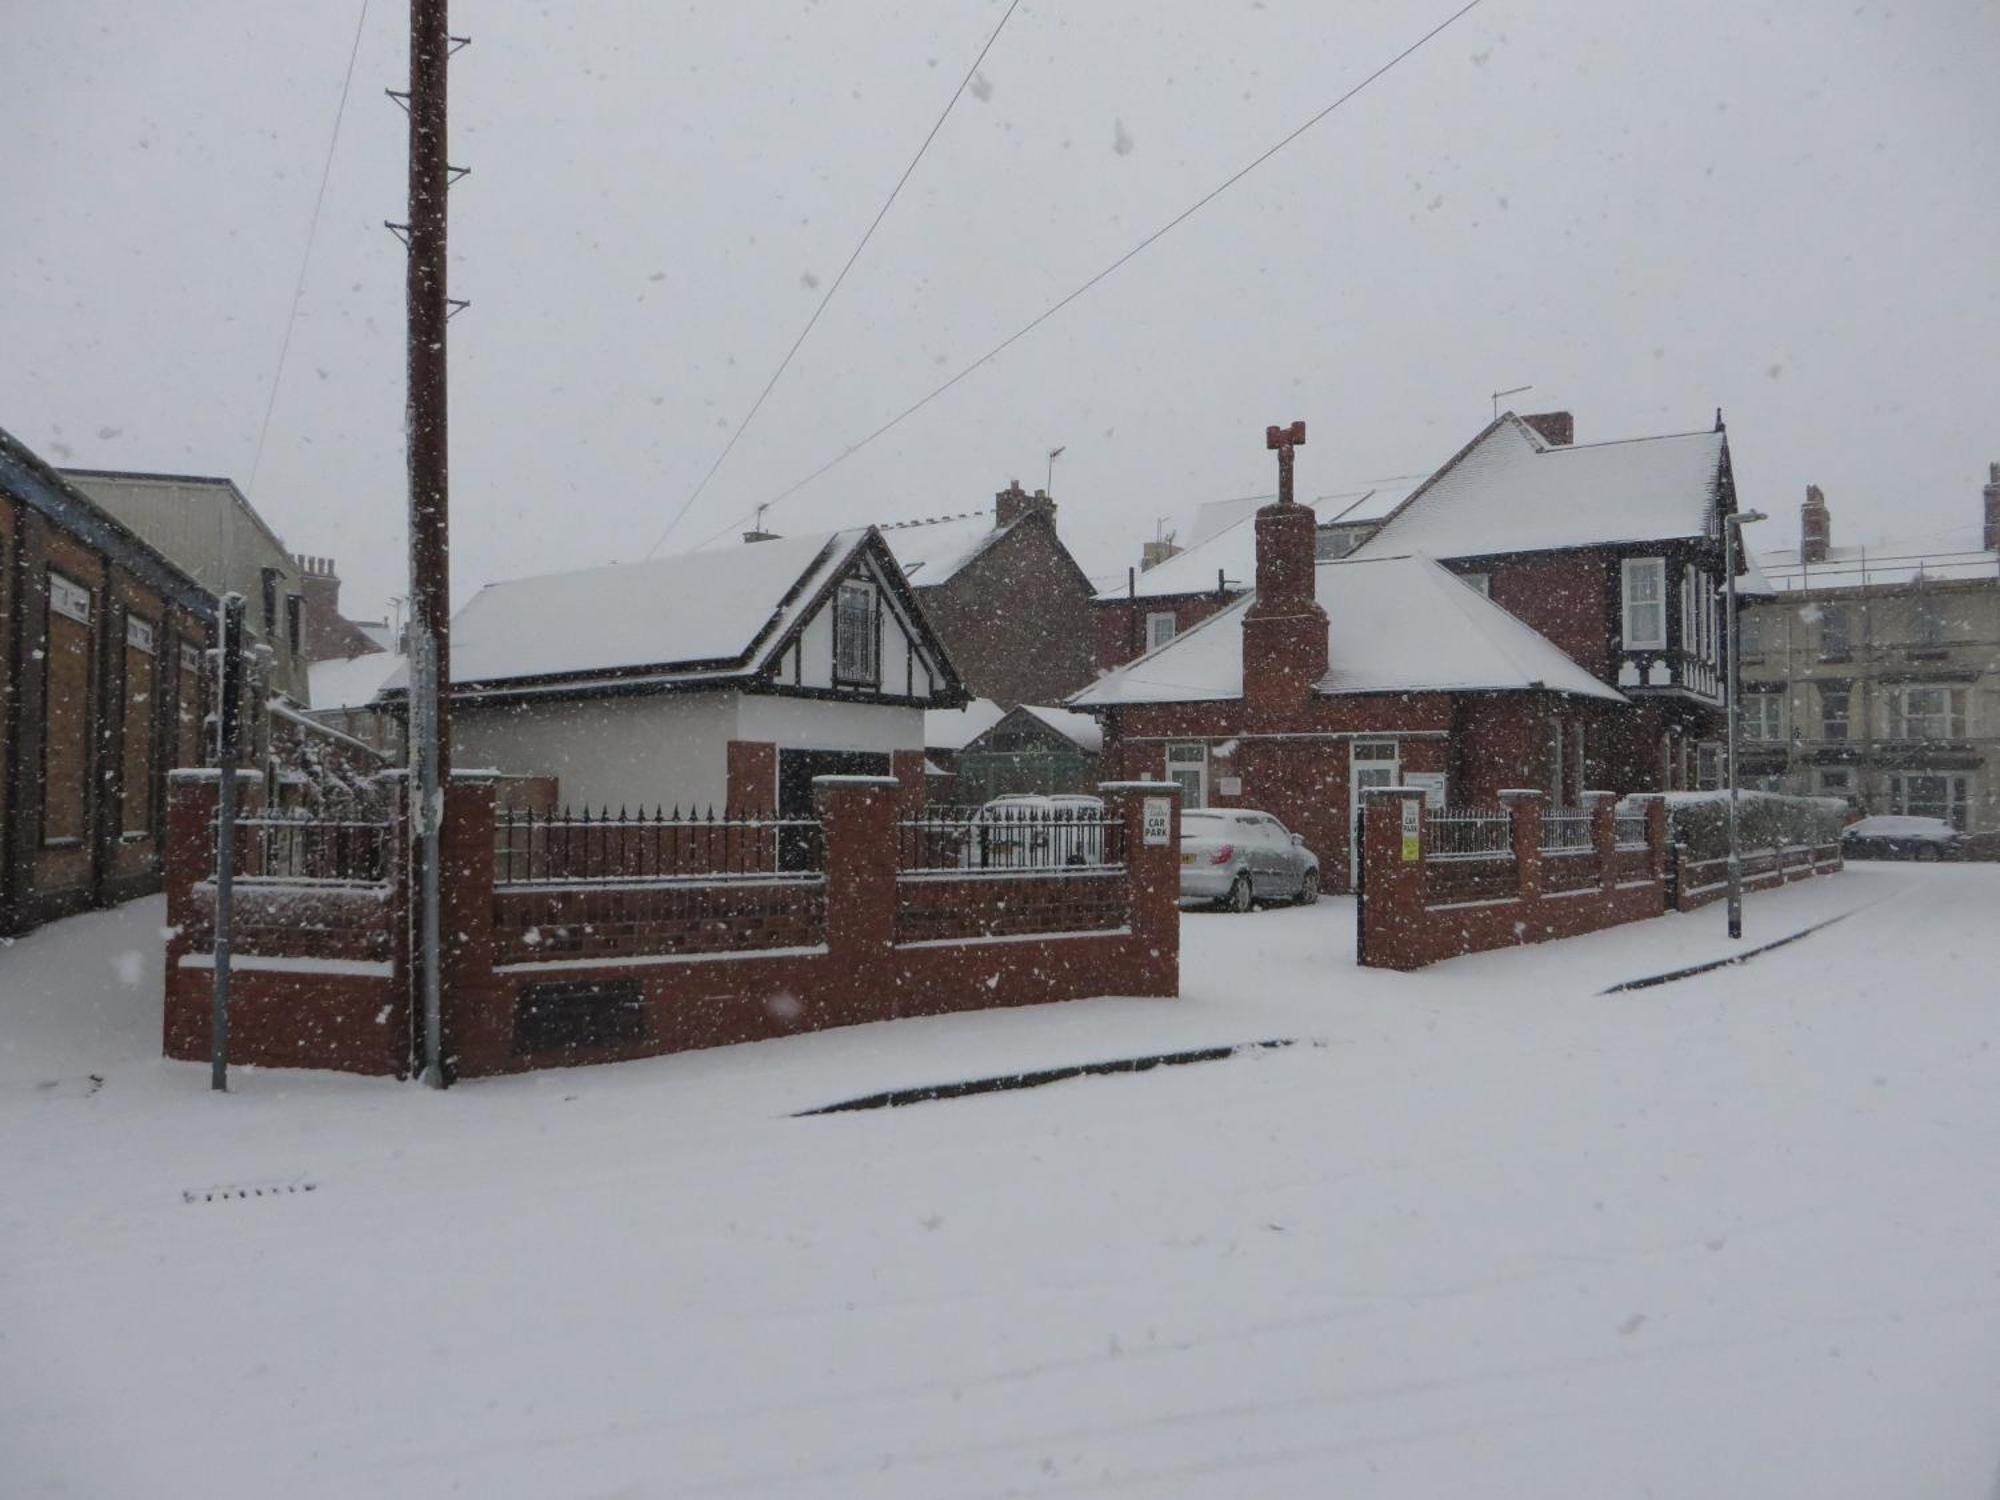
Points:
(1873, 672)
(207, 529)
(102, 643)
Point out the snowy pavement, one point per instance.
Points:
(1484, 1232)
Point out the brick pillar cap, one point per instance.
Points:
(1597, 796)
(1139, 786)
(1521, 793)
(889, 782)
(482, 777)
(211, 773)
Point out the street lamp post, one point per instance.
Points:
(1732, 543)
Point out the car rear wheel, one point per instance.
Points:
(1239, 895)
(1309, 888)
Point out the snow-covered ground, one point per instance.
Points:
(1484, 1232)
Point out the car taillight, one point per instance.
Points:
(1223, 855)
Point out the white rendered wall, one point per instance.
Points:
(822, 724)
(668, 750)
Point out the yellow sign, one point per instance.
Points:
(1413, 813)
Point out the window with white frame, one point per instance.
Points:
(190, 658)
(1764, 716)
(1930, 794)
(69, 598)
(1645, 601)
(1187, 764)
(1834, 704)
(1159, 629)
(1927, 713)
(139, 634)
(857, 656)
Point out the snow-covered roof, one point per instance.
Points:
(692, 615)
(1232, 551)
(1394, 624)
(1950, 554)
(955, 728)
(930, 551)
(1080, 730)
(1510, 491)
(349, 684)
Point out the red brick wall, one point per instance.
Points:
(1563, 595)
(1016, 620)
(1415, 912)
(1120, 625)
(865, 961)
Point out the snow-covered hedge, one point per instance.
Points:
(1767, 820)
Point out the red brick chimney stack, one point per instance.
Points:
(1558, 428)
(1014, 502)
(1991, 493)
(1815, 527)
(1284, 630)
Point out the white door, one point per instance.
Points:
(1369, 763)
(1187, 763)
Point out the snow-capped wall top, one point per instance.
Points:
(1513, 492)
(1394, 624)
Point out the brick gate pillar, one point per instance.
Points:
(1603, 810)
(478, 1025)
(858, 814)
(1153, 870)
(1391, 916)
(1524, 805)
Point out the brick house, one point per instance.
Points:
(102, 643)
(330, 635)
(1340, 675)
(1004, 596)
(1611, 550)
(1873, 672)
(725, 679)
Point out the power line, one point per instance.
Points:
(312, 233)
(880, 214)
(1175, 222)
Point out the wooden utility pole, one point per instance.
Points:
(430, 537)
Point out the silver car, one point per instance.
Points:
(1233, 856)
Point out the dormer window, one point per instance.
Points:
(857, 655)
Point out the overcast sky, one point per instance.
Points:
(1784, 209)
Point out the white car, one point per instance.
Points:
(1233, 856)
(1034, 831)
